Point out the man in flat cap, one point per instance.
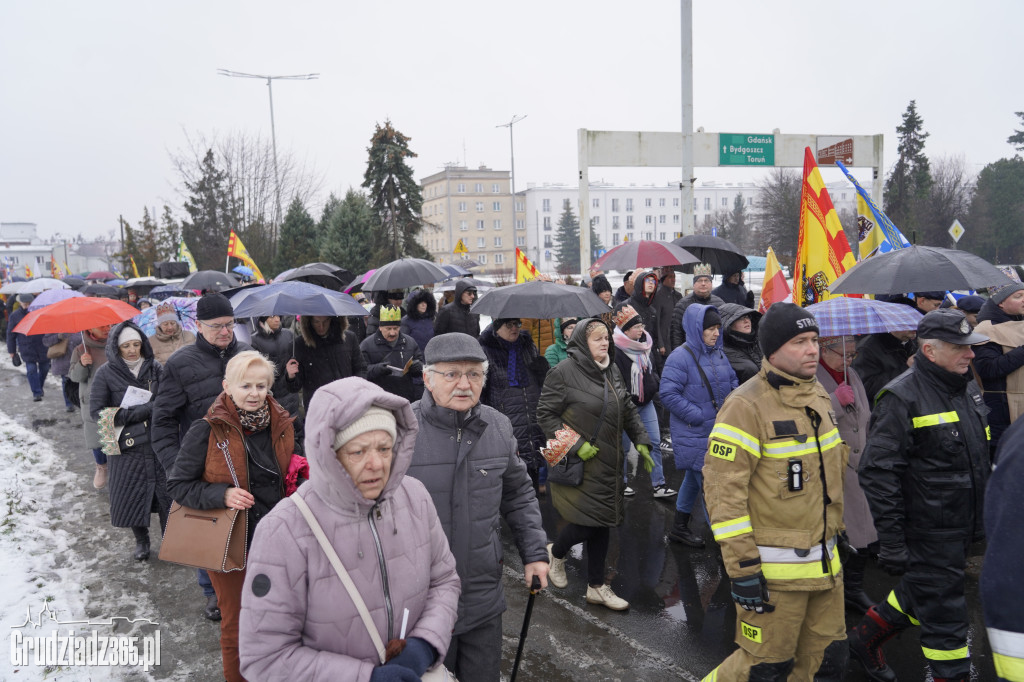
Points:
(466, 455)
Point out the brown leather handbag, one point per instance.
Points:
(213, 539)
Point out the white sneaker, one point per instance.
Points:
(605, 597)
(628, 492)
(556, 570)
(662, 491)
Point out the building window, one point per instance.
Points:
(495, 205)
(479, 224)
(495, 188)
(497, 241)
(596, 220)
(546, 205)
(677, 235)
(615, 221)
(725, 202)
(547, 223)
(547, 255)
(695, 203)
(615, 238)
(629, 236)
(843, 196)
(661, 236)
(661, 201)
(481, 242)
(707, 203)
(520, 225)
(479, 207)
(463, 226)
(520, 241)
(675, 202)
(629, 222)
(596, 203)
(519, 207)
(499, 258)
(648, 219)
(497, 224)
(615, 205)
(547, 241)
(478, 187)
(648, 235)
(482, 259)
(462, 207)
(647, 202)
(675, 219)
(461, 188)
(750, 201)
(629, 205)
(661, 220)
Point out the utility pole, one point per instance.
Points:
(512, 174)
(686, 89)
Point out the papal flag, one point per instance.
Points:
(185, 256)
(525, 270)
(875, 232)
(774, 288)
(237, 250)
(823, 253)
(55, 269)
(135, 269)
(28, 272)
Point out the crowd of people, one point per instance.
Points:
(422, 431)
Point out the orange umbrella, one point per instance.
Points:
(75, 315)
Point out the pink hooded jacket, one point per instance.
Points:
(297, 621)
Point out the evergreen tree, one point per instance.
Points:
(147, 249)
(169, 236)
(737, 229)
(298, 243)
(394, 195)
(120, 259)
(330, 206)
(997, 212)
(347, 240)
(910, 180)
(777, 214)
(209, 209)
(1017, 139)
(567, 251)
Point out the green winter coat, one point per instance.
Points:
(573, 394)
(557, 351)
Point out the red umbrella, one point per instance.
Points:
(101, 274)
(644, 254)
(75, 315)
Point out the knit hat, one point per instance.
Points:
(600, 284)
(970, 304)
(566, 321)
(711, 318)
(128, 334)
(997, 294)
(453, 347)
(626, 317)
(165, 313)
(701, 270)
(214, 305)
(782, 322)
(374, 419)
(500, 322)
(627, 276)
(25, 299)
(390, 316)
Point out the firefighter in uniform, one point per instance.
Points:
(773, 481)
(924, 471)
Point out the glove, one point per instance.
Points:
(845, 394)
(751, 592)
(645, 453)
(15, 359)
(393, 673)
(377, 370)
(893, 557)
(586, 451)
(121, 417)
(416, 369)
(417, 656)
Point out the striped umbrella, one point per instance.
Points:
(843, 316)
(645, 253)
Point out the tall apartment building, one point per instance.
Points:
(476, 207)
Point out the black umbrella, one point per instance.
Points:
(314, 274)
(209, 280)
(341, 273)
(100, 290)
(297, 298)
(534, 589)
(143, 283)
(455, 270)
(540, 300)
(404, 273)
(75, 283)
(721, 254)
(919, 268)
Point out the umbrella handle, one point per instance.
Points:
(535, 585)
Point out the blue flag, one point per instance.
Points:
(876, 233)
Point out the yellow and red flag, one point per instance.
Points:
(525, 270)
(823, 253)
(28, 272)
(54, 268)
(67, 269)
(237, 250)
(134, 268)
(774, 288)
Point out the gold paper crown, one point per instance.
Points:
(701, 270)
(390, 313)
(559, 446)
(624, 315)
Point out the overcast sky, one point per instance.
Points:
(94, 95)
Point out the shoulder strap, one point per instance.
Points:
(339, 567)
(703, 376)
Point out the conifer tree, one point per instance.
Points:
(298, 241)
(347, 240)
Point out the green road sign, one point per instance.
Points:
(746, 150)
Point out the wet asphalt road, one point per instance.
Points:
(679, 626)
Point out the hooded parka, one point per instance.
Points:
(325, 359)
(678, 333)
(742, 349)
(644, 306)
(455, 316)
(420, 326)
(595, 402)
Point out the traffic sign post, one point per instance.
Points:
(956, 230)
(461, 247)
(746, 150)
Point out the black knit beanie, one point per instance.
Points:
(711, 318)
(212, 306)
(782, 322)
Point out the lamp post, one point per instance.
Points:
(273, 136)
(512, 174)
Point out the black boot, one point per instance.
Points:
(141, 543)
(856, 598)
(212, 610)
(681, 532)
(771, 672)
(833, 663)
(866, 640)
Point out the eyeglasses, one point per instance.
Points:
(849, 356)
(218, 328)
(514, 323)
(452, 376)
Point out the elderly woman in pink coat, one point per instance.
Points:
(298, 621)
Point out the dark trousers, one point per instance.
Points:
(476, 654)
(931, 594)
(36, 372)
(596, 541)
(229, 598)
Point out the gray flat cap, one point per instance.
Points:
(453, 347)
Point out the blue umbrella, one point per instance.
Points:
(455, 270)
(844, 316)
(297, 298)
(243, 270)
(52, 296)
(116, 282)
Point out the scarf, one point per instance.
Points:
(513, 364)
(640, 353)
(254, 421)
(134, 365)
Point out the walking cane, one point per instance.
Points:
(534, 589)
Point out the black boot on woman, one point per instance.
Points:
(141, 543)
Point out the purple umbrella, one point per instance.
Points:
(359, 281)
(52, 296)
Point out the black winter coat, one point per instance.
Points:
(743, 351)
(595, 403)
(192, 378)
(678, 335)
(420, 326)
(665, 299)
(993, 366)
(733, 293)
(518, 403)
(327, 359)
(644, 307)
(137, 483)
(278, 347)
(378, 355)
(880, 359)
(30, 346)
(455, 317)
(924, 470)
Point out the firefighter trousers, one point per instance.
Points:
(767, 643)
(931, 594)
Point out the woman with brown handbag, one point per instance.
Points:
(245, 436)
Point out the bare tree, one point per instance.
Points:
(777, 214)
(949, 198)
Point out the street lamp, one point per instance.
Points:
(273, 135)
(512, 174)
